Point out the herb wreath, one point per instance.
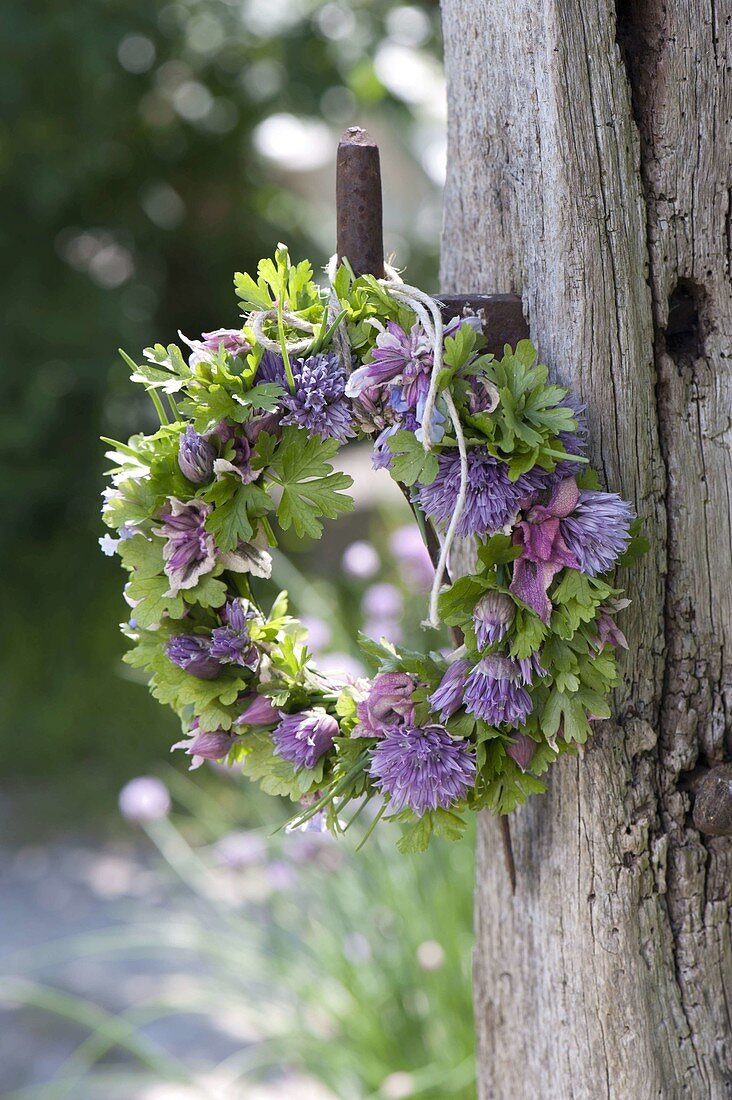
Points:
(491, 452)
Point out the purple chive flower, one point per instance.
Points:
(575, 443)
(205, 745)
(144, 800)
(597, 531)
(192, 653)
(388, 703)
(494, 692)
(272, 369)
(422, 768)
(491, 501)
(259, 712)
(195, 456)
(492, 616)
(448, 697)
(318, 403)
(189, 551)
(303, 738)
(231, 643)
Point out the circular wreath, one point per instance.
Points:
(492, 455)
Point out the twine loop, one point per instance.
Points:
(428, 312)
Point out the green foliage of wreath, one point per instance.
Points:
(248, 433)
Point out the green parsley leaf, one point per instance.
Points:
(154, 600)
(310, 487)
(411, 463)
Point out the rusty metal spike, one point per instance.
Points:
(360, 235)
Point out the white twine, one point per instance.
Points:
(428, 312)
(340, 335)
(294, 347)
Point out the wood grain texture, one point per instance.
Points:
(588, 171)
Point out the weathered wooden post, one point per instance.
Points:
(588, 171)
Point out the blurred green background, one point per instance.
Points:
(147, 151)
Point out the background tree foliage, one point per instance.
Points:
(148, 150)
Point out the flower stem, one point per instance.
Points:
(154, 397)
(283, 346)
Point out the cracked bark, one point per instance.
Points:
(588, 170)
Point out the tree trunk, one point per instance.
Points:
(588, 170)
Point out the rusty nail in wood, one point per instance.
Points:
(502, 316)
(360, 237)
(713, 802)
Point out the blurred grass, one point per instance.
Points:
(352, 968)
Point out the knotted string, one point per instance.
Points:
(428, 312)
(294, 347)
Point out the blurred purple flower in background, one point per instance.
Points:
(144, 800)
(303, 738)
(240, 849)
(415, 565)
(341, 666)
(382, 601)
(389, 629)
(360, 560)
(319, 633)
(421, 768)
(495, 693)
